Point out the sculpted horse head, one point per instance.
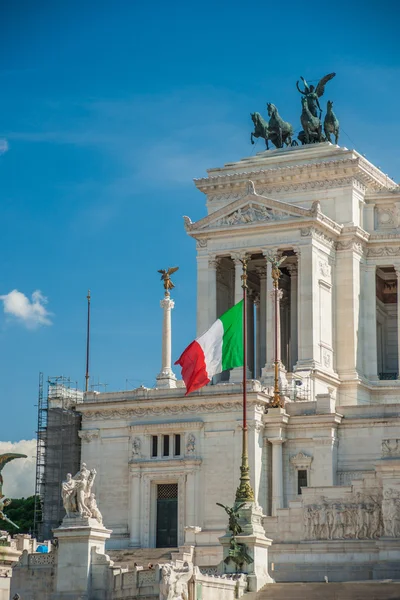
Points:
(272, 110)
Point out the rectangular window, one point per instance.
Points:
(154, 446)
(177, 444)
(301, 480)
(165, 445)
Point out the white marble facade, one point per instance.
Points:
(331, 453)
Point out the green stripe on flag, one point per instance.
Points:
(232, 341)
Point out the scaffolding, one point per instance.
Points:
(58, 449)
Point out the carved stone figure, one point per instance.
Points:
(174, 582)
(68, 495)
(358, 519)
(391, 513)
(391, 447)
(136, 446)
(76, 493)
(92, 506)
(191, 444)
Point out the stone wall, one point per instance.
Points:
(34, 576)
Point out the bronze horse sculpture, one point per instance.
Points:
(312, 128)
(260, 128)
(280, 131)
(331, 123)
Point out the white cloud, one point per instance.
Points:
(31, 313)
(19, 474)
(3, 146)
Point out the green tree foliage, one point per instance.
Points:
(21, 511)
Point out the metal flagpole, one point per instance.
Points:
(244, 493)
(87, 343)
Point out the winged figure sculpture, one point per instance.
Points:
(166, 278)
(4, 459)
(312, 93)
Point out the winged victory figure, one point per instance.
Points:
(313, 93)
(166, 278)
(4, 459)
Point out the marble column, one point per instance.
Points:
(236, 375)
(277, 474)
(269, 330)
(370, 338)
(258, 337)
(212, 290)
(308, 305)
(238, 278)
(134, 509)
(202, 292)
(262, 273)
(166, 378)
(190, 505)
(397, 269)
(293, 270)
(250, 332)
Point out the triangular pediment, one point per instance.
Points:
(250, 209)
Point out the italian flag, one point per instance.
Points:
(218, 349)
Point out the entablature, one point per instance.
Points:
(323, 170)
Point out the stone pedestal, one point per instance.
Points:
(77, 537)
(257, 544)
(388, 565)
(8, 556)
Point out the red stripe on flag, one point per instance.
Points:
(194, 372)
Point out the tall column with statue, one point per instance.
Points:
(166, 378)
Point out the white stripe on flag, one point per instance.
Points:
(211, 344)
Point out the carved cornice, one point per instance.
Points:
(322, 174)
(150, 428)
(301, 461)
(164, 463)
(317, 235)
(128, 413)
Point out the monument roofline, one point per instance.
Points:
(286, 166)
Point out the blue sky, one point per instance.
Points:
(107, 112)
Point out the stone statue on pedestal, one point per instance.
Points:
(77, 496)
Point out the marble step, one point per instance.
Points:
(141, 556)
(360, 590)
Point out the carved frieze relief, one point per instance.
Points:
(361, 517)
(168, 410)
(324, 268)
(384, 251)
(391, 448)
(89, 435)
